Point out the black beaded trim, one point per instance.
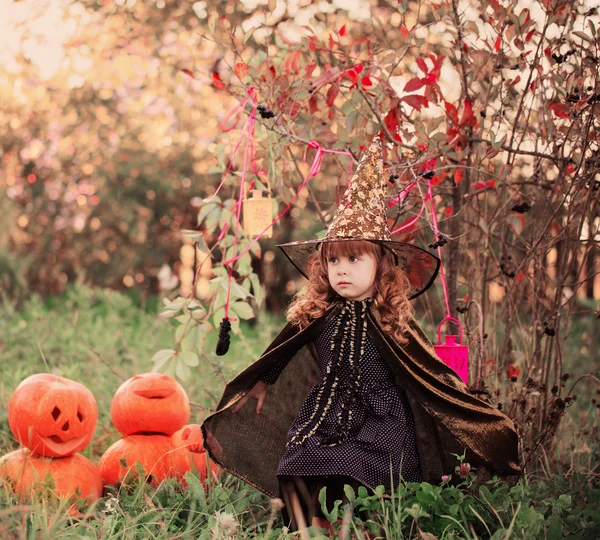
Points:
(347, 322)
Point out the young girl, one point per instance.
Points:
(351, 391)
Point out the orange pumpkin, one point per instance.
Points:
(150, 403)
(52, 416)
(154, 452)
(190, 438)
(23, 472)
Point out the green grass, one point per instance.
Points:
(101, 338)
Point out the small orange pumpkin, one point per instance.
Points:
(154, 452)
(23, 472)
(190, 438)
(52, 416)
(150, 403)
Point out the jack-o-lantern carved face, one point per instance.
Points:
(150, 403)
(52, 416)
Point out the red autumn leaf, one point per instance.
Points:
(188, 73)
(529, 35)
(332, 93)
(497, 44)
(292, 62)
(458, 176)
(560, 109)
(515, 80)
(479, 185)
(351, 74)
(358, 68)
(241, 70)
(422, 65)
(451, 111)
(366, 81)
(404, 31)
(448, 211)
(570, 168)
(491, 184)
(342, 31)
(308, 70)
(391, 121)
(437, 64)
(414, 84)
(520, 276)
(468, 118)
(313, 105)
(216, 79)
(416, 101)
(431, 78)
(513, 371)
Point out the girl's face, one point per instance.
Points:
(352, 276)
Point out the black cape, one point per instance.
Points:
(448, 419)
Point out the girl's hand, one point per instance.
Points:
(258, 392)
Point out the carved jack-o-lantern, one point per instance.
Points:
(150, 403)
(52, 416)
(24, 473)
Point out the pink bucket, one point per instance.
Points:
(454, 355)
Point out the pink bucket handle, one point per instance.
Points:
(448, 318)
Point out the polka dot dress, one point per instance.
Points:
(379, 432)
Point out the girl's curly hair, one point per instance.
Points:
(390, 288)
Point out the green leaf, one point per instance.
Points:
(179, 332)
(189, 358)
(238, 291)
(193, 235)
(161, 357)
(244, 310)
(204, 211)
(257, 288)
(333, 515)
(182, 371)
(350, 495)
(196, 489)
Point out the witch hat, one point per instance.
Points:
(361, 216)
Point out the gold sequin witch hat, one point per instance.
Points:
(361, 215)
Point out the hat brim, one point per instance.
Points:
(420, 266)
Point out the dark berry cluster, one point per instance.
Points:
(428, 175)
(264, 112)
(521, 208)
(462, 309)
(560, 58)
(549, 331)
(503, 266)
(574, 96)
(441, 241)
(393, 178)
